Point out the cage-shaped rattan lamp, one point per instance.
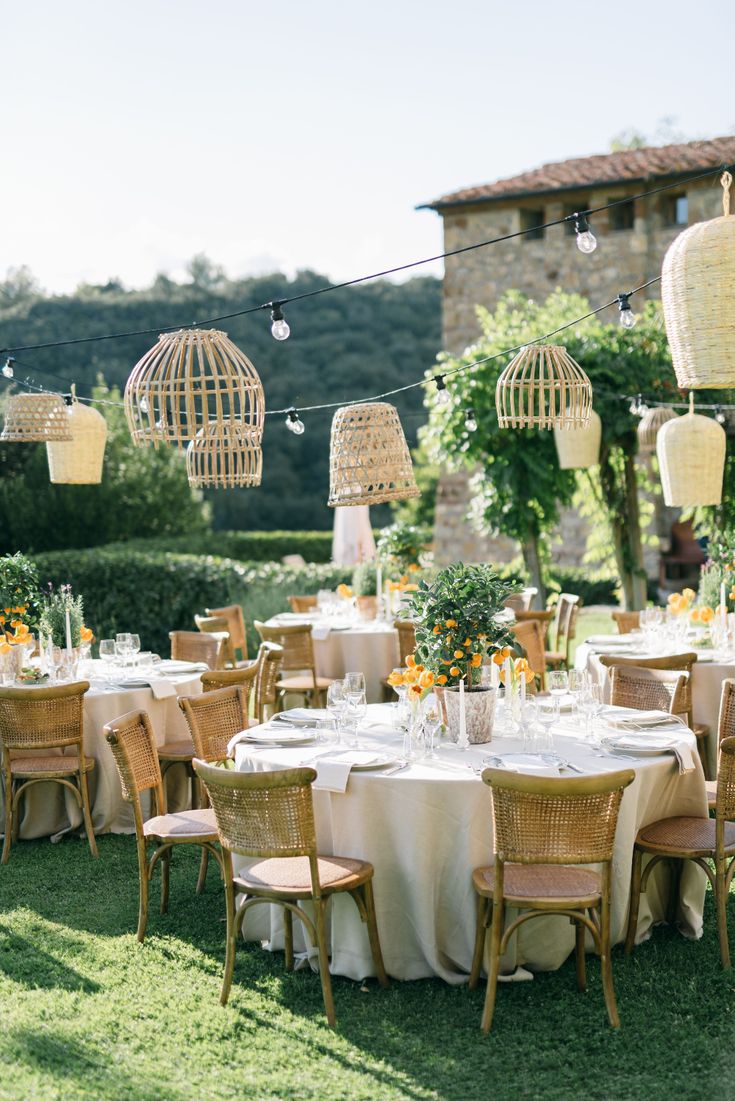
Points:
(649, 425)
(35, 418)
(192, 378)
(369, 460)
(691, 459)
(225, 455)
(579, 448)
(697, 281)
(543, 387)
(79, 461)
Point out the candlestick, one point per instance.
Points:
(68, 632)
(463, 740)
(494, 675)
(723, 600)
(523, 688)
(507, 680)
(379, 588)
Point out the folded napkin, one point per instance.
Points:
(161, 688)
(320, 631)
(667, 740)
(333, 771)
(309, 716)
(611, 640)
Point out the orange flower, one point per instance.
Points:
(459, 654)
(5, 647)
(344, 590)
(395, 679)
(476, 661)
(414, 567)
(706, 615)
(732, 594)
(437, 629)
(441, 679)
(454, 671)
(688, 594)
(415, 690)
(450, 622)
(694, 615)
(403, 579)
(2, 619)
(529, 676)
(426, 680)
(411, 675)
(410, 588)
(86, 634)
(411, 660)
(16, 623)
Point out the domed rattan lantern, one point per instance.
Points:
(543, 387)
(649, 425)
(225, 455)
(691, 458)
(369, 460)
(35, 418)
(697, 281)
(79, 461)
(579, 448)
(192, 378)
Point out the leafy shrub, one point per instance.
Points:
(246, 546)
(364, 579)
(154, 592)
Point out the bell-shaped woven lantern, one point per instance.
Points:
(35, 417)
(369, 460)
(79, 461)
(697, 281)
(225, 455)
(649, 425)
(192, 378)
(578, 448)
(691, 459)
(542, 387)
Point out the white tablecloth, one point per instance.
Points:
(370, 648)
(48, 809)
(707, 678)
(426, 828)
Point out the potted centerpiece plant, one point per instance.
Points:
(460, 620)
(61, 609)
(19, 608)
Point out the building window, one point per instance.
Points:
(532, 220)
(676, 210)
(622, 216)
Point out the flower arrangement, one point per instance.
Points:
(520, 670)
(417, 680)
(401, 548)
(344, 591)
(679, 603)
(19, 598)
(53, 618)
(458, 622)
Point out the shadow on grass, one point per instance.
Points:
(23, 961)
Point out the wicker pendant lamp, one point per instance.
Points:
(35, 417)
(697, 281)
(225, 455)
(543, 387)
(369, 461)
(189, 379)
(649, 425)
(691, 458)
(579, 448)
(79, 462)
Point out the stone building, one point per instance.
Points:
(632, 239)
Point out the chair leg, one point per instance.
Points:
(288, 938)
(606, 962)
(635, 898)
(144, 888)
(231, 941)
(372, 927)
(203, 865)
(165, 879)
(496, 935)
(8, 819)
(321, 943)
(721, 902)
(86, 813)
(579, 957)
(674, 891)
(481, 912)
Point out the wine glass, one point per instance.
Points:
(123, 644)
(134, 647)
(337, 705)
(432, 724)
(107, 654)
(354, 686)
(356, 710)
(546, 716)
(558, 681)
(399, 689)
(590, 702)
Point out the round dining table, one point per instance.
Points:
(48, 809)
(426, 826)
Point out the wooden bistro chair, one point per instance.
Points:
(406, 638)
(269, 817)
(725, 729)
(647, 689)
(216, 626)
(35, 723)
(530, 637)
(133, 745)
(627, 621)
(563, 631)
(297, 658)
(302, 604)
(681, 663)
(197, 646)
(270, 663)
(233, 614)
(701, 840)
(543, 830)
(543, 618)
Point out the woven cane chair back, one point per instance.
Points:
(262, 814)
(42, 718)
(296, 642)
(217, 625)
(215, 717)
(565, 621)
(726, 721)
(270, 663)
(538, 820)
(302, 604)
(245, 678)
(133, 746)
(627, 621)
(647, 689)
(530, 636)
(406, 638)
(196, 646)
(235, 625)
(679, 663)
(725, 808)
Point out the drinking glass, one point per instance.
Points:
(354, 686)
(337, 705)
(356, 711)
(134, 647)
(107, 654)
(546, 717)
(432, 724)
(123, 644)
(590, 703)
(558, 681)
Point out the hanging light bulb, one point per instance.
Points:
(280, 328)
(8, 370)
(470, 421)
(443, 397)
(719, 415)
(143, 404)
(635, 406)
(627, 317)
(294, 422)
(642, 407)
(586, 240)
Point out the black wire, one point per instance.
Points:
(364, 278)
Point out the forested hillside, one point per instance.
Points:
(359, 340)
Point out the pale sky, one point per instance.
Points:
(279, 136)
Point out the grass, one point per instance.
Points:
(87, 1013)
(592, 621)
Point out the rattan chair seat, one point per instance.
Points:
(176, 751)
(302, 684)
(692, 835)
(183, 826)
(711, 789)
(291, 875)
(56, 764)
(541, 885)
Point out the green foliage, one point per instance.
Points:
(250, 546)
(401, 547)
(420, 510)
(19, 589)
(144, 492)
(456, 619)
(152, 592)
(53, 617)
(364, 579)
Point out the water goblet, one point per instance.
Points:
(546, 717)
(354, 686)
(134, 648)
(123, 646)
(337, 706)
(107, 655)
(432, 724)
(590, 702)
(558, 681)
(356, 712)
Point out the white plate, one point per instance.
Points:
(379, 760)
(131, 682)
(300, 716)
(174, 667)
(649, 745)
(280, 737)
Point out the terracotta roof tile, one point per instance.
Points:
(609, 168)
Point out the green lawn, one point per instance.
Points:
(88, 1013)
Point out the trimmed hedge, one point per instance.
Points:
(245, 546)
(153, 592)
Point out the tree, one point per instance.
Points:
(205, 275)
(20, 285)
